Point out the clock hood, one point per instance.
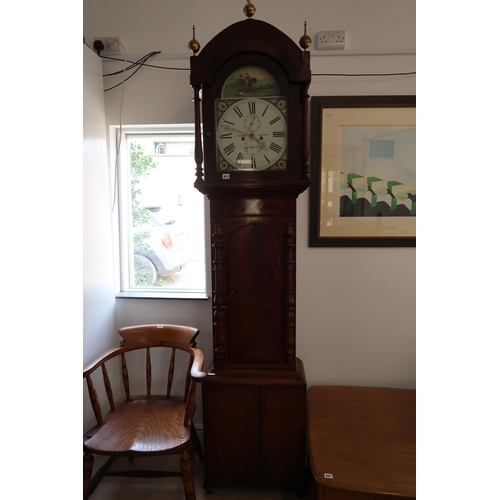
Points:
(250, 35)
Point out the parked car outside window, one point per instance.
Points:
(164, 249)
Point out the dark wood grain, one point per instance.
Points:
(253, 260)
(254, 430)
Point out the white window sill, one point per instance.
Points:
(162, 295)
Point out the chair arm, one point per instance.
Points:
(102, 358)
(197, 368)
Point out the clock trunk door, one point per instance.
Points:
(253, 300)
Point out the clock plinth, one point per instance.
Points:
(252, 154)
(254, 428)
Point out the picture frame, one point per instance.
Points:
(363, 171)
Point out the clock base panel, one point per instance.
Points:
(254, 430)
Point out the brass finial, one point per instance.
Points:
(305, 39)
(249, 10)
(193, 45)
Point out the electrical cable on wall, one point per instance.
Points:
(137, 64)
(142, 62)
(365, 74)
(119, 140)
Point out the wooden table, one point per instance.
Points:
(361, 442)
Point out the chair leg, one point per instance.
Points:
(88, 462)
(187, 470)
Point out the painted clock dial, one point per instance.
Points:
(251, 134)
(250, 81)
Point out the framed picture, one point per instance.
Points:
(363, 171)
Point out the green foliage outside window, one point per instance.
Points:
(140, 167)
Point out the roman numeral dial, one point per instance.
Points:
(252, 134)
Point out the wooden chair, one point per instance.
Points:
(148, 424)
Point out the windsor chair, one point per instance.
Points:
(146, 424)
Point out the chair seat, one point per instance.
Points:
(140, 427)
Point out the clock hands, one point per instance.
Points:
(253, 146)
(225, 126)
(252, 143)
(252, 123)
(252, 133)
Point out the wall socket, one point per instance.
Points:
(111, 44)
(330, 40)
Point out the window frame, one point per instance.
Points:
(118, 160)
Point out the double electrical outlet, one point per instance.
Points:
(330, 40)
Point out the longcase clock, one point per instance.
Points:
(251, 119)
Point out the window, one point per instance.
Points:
(161, 215)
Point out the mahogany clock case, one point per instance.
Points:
(255, 390)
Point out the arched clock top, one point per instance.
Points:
(250, 36)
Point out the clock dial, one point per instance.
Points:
(251, 134)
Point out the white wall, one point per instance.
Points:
(355, 307)
(99, 321)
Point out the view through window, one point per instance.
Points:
(161, 216)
